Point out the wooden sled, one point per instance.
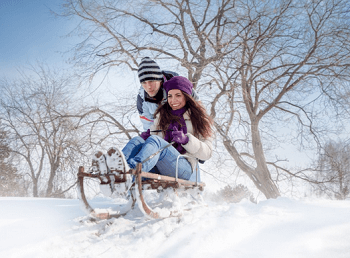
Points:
(143, 181)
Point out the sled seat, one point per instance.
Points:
(149, 180)
(156, 181)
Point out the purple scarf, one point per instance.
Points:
(179, 126)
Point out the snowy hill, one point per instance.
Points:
(274, 228)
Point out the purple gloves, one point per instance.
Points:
(179, 136)
(146, 134)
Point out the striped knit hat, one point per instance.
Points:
(149, 70)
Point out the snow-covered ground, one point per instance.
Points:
(283, 227)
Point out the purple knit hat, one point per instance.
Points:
(178, 83)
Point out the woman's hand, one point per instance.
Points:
(146, 134)
(179, 136)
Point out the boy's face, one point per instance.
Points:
(151, 87)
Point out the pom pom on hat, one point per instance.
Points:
(179, 83)
(149, 70)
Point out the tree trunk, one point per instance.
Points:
(259, 175)
(264, 180)
(54, 167)
(50, 184)
(35, 187)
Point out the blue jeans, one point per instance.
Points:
(137, 150)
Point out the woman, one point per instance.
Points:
(180, 120)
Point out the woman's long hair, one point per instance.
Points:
(201, 121)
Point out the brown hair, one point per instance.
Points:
(201, 121)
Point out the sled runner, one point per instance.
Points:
(133, 184)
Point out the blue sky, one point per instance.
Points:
(29, 32)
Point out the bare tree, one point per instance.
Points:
(47, 142)
(334, 166)
(292, 57)
(259, 64)
(10, 179)
(119, 33)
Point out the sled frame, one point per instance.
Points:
(143, 181)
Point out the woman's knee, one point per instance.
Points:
(133, 146)
(137, 140)
(156, 139)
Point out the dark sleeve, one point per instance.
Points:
(139, 104)
(168, 74)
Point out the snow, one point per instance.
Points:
(36, 227)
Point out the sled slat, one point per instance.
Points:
(169, 179)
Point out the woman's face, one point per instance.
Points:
(176, 99)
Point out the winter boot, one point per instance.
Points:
(117, 164)
(116, 161)
(99, 166)
(99, 163)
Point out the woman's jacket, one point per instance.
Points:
(198, 148)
